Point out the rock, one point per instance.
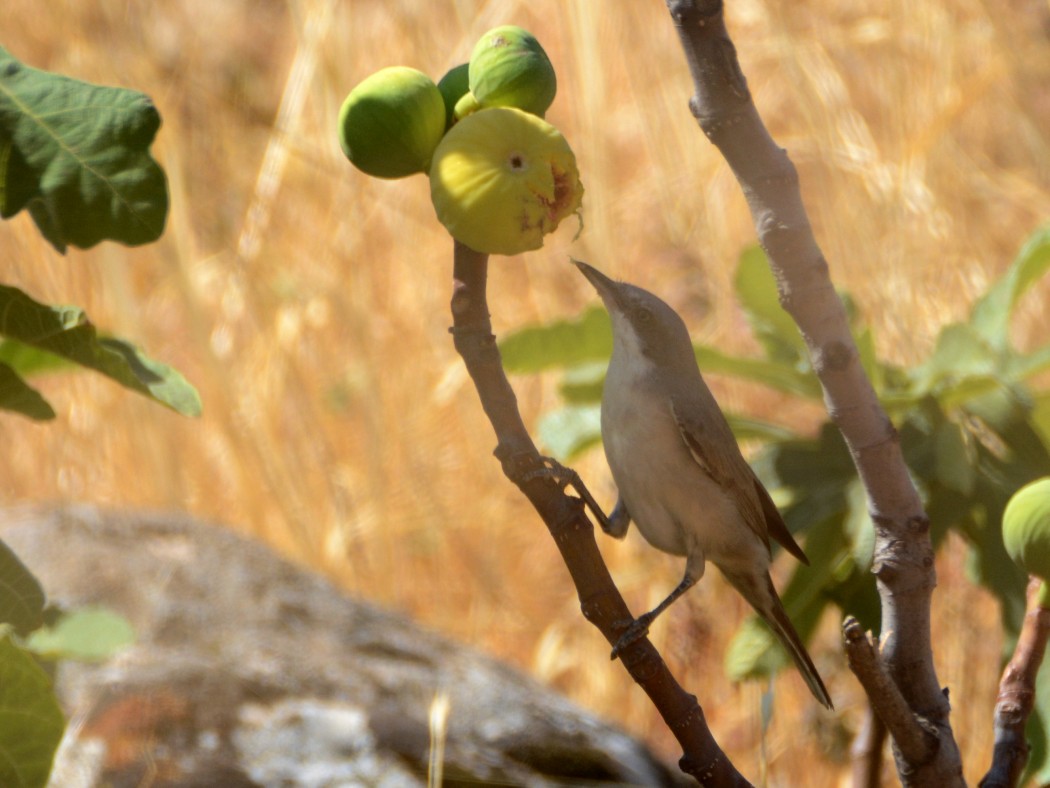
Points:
(249, 671)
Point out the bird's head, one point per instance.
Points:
(643, 325)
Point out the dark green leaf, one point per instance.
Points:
(66, 332)
(956, 460)
(21, 597)
(757, 290)
(1041, 417)
(564, 343)
(990, 316)
(89, 634)
(18, 396)
(31, 721)
(77, 156)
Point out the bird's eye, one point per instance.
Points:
(643, 314)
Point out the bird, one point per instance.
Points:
(678, 469)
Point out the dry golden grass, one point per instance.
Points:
(309, 304)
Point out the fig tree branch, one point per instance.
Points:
(568, 524)
(903, 563)
(1017, 695)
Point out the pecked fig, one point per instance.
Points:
(391, 123)
(1026, 529)
(508, 68)
(502, 179)
(454, 86)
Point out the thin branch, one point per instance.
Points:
(866, 751)
(903, 564)
(567, 522)
(917, 744)
(1017, 695)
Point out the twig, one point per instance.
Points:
(1017, 695)
(567, 522)
(916, 741)
(866, 751)
(903, 564)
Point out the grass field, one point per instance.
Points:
(309, 303)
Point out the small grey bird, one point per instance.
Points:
(679, 472)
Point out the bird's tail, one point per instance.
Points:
(768, 605)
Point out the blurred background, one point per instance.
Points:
(309, 303)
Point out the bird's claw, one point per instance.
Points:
(567, 477)
(637, 630)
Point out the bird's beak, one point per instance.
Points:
(605, 286)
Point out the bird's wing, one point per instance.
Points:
(713, 447)
(775, 524)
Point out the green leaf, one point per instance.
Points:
(77, 157)
(858, 527)
(564, 343)
(777, 375)
(963, 366)
(990, 315)
(21, 597)
(31, 722)
(66, 332)
(27, 360)
(745, 428)
(757, 290)
(88, 634)
(1024, 366)
(568, 432)
(583, 383)
(754, 652)
(18, 396)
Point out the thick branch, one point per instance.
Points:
(573, 532)
(904, 570)
(1017, 695)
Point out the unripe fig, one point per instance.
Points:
(391, 123)
(1026, 529)
(508, 68)
(502, 179)
(453, 86)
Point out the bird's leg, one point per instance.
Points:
(694, 570)
(567, 477)
(619, 520)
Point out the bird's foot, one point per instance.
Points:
(637, 630)
(567, 477)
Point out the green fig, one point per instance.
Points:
(508, 68)
(467, 104)
(453, 86)
(391, 123)
(1026, 529)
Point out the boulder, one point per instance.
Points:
(250, 671)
